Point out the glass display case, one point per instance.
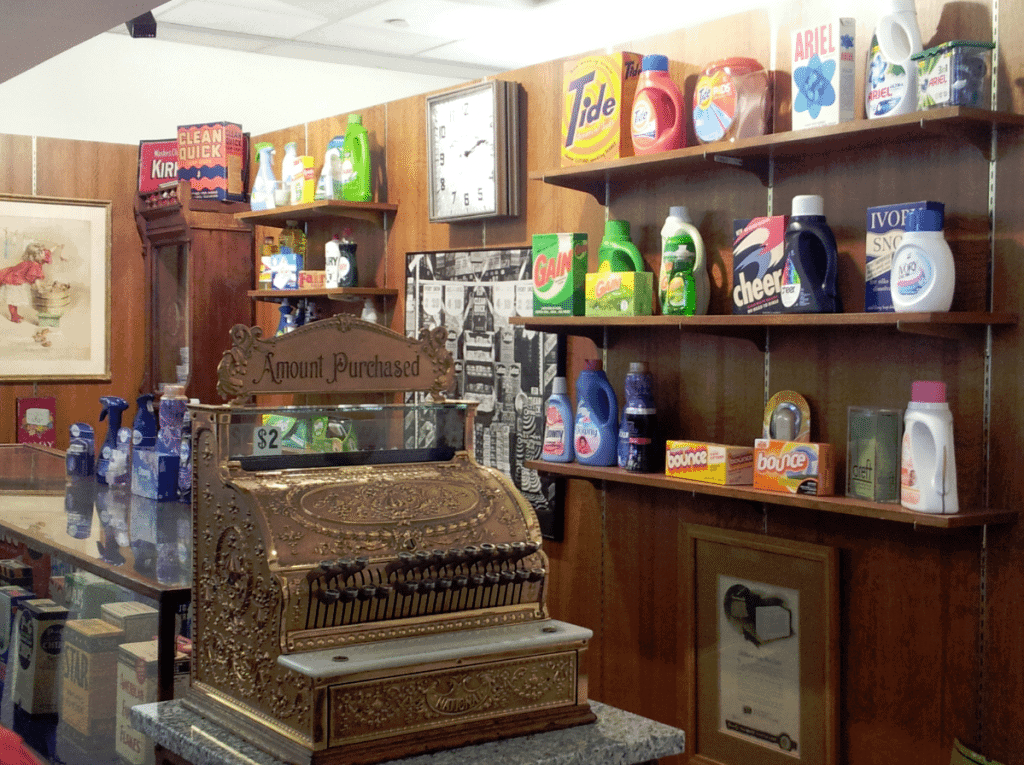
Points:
(94, 608)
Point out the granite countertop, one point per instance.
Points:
(616, 738)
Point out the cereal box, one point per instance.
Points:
(758, 257)
(211, 157)
(559, 271)
(793, 467)
(824, 75)
(710, 463)
(597, 97)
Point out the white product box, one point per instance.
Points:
(824, 73)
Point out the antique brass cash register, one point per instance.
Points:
(363, 589)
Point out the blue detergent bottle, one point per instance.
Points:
(809, 270)
(558, 426)
(597, 417)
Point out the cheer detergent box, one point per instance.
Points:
(597, 97)
(211, 157)
(758, 257)
(710, 463)
(793, 467)
(559, 274)
(886, 226)
(824, 73)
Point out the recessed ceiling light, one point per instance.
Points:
(397, 23)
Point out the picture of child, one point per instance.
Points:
(17, 281)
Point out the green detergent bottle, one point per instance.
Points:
(617, 251)
(355, 162)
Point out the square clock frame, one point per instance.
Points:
(473, 152)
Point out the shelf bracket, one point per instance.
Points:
(756, 165)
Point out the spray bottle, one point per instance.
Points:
(290, 165)
(262, 196)
(113, 406)
(329, 184)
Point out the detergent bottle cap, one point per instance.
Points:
(808, 204)
(654, 63)
(616, 229)
(681, 212)
(355, 119)
(637, 367)
(593, 365)
(928, 392)
(924, 220)
(559, 386)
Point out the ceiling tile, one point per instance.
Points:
(263, 17)
(384, 39)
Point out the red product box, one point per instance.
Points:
(37, 420)
(158, 164)
(211, 157)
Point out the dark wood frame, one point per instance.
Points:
(810, 569)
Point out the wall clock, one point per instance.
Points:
(473, 152)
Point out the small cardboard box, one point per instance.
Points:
(793, 467)
(137, 620)
(88, 667)
(597, 97)
(312, 279)
(284, 270)
(619, 293)
(885, 228)
(874, 439)
(155, 474)
(824, 73)
(211, 157)
(710, 463)
(11, 597)
(158, 164)
(87, 592)
(304, 183)
(13, 571)
(40, 639)
(955, 73)
(559, 274)
(758, 257)
(136, 684)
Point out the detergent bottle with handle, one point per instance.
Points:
(680, 237)
(891, 77)
(809, 269)
(617, 251)
(355, 162)
(596, 429)
(658, 122)
(928, 461)
(262, 195)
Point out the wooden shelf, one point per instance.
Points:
(954, 325)
(838, 505)
(338, 293)
(753, 154)
(373, 212)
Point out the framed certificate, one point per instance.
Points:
(761, 649)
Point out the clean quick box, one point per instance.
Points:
(886, 225)
(824, 74)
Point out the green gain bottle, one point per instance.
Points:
(681, 297)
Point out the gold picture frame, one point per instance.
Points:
(54, 288)
(761, 648)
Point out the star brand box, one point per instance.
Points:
(758, 257)
(793, 467)
(824, 74)
(211, 157)
(710, 463)
(88, 667)
(597, 96)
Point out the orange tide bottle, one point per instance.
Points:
(657, 121)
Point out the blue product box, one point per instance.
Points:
(284, 269)
(80, 457)
(886, 225)
(155, 475)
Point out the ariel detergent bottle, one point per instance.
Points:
(680, 237)
(262, 195)
(891, 77)
(596, 429)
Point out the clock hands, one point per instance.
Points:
(472, 148)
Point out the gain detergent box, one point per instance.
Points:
(619, 293)
(597, 97)
(559, 271)
(824, 75)
(758, 260)
(886, 226)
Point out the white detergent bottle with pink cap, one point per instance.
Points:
(928, 462)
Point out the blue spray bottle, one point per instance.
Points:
(143, 450)
(113, 406)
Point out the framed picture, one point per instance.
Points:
(54, 288)
(761, 652)
(507, 369)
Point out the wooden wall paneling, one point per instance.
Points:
(15, 164)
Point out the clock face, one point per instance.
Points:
(464, 154)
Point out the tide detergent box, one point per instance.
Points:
(211, 157)
(710, 463)
(793, 467)
(886, 226)
(597, 97)
(559, 273)
(619, 293)
(824, 75)
(758, 257)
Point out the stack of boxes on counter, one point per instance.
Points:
(75, 663)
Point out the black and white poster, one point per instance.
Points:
(507, 369)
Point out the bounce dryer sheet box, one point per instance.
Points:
(211, 157)
(559, 274)
(710, 463)
(758, 256)
(824, 73)
(597, 98)
(793, 467)
(619, 293)
(886, 226)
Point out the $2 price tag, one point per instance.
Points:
(266, 440)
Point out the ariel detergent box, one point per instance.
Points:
(710, 463)
(211, 157)
(597, 97)
(758, 260)
(559, 273)
(824, 75)
(793, 467)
